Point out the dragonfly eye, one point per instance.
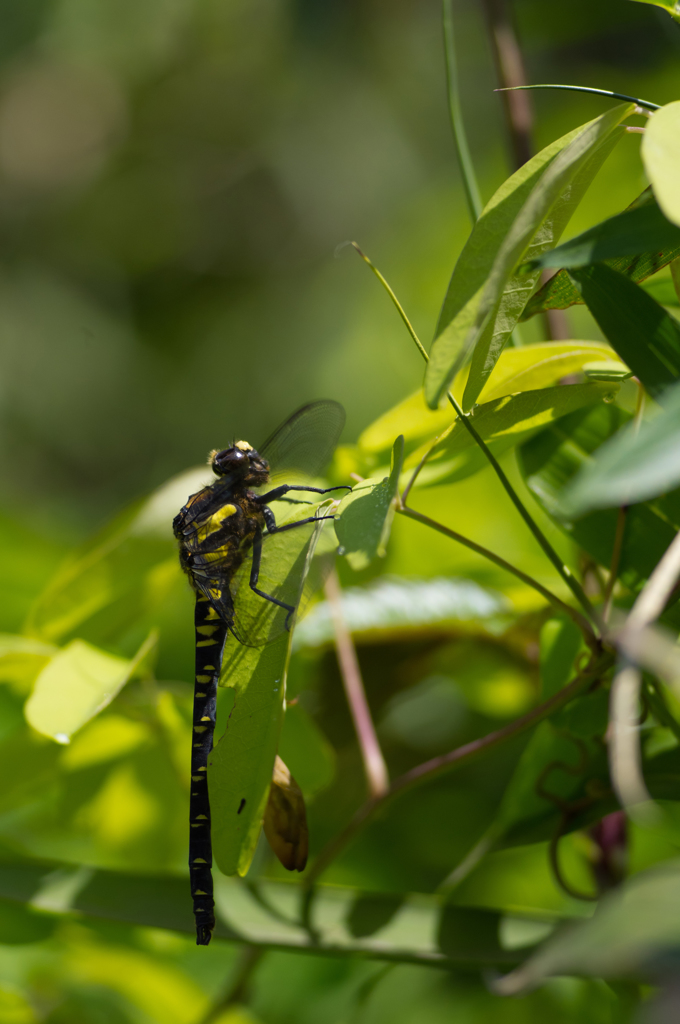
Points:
(228, 460)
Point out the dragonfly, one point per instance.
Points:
(229, 546)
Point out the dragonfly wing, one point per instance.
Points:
(304, 444)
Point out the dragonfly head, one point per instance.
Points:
(243, 462)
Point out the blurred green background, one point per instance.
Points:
(178, 179)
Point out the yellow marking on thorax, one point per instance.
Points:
(214, 522)
(206, 630)
(243, 446)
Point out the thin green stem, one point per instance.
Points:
(546, 546)
(614, 564)
(564, 570)
(553, 599)
(400, 309)
(586, 88)
(454, 759)
(472, 196)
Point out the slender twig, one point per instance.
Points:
(237, 988)
(400, 309)
(374, 763)
(467, 170)
(616, 559)
(656, 591)
(538, 534)
(585, 88)
(553, 599)
(564, 571)
(624, 746)
(511, 75)
(454, 759)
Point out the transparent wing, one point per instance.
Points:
(284, 574)
(304, 444)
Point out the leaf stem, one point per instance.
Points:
(586, 88)
(543, 541)
(375, 768)
(454, 759)
(625, 759)
(553, 599)
(564, 571)
(467, 170)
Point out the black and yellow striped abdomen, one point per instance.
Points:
(215, 531)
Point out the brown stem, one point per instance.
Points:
(511, 73)
(371, 754)
(446, 762)
(555, 321)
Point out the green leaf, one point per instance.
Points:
(560, 642)
(661, 156)
(503, 424)
(411, 418)
(645, 336)
(390, 606)
(306, 751)
(552, 458)
(539, 366)
(638, 230)
(670, 6)
(636, 928)
(662, 290)
(518, 369)
(77, 683)
(241, 764)
(631, 467)
(560, 292)
(365, 515)
(487, 302)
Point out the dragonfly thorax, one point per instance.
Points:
(242, 462)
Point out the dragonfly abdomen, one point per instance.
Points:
(211, 633)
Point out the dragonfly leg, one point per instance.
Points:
(273, 528)
(278, 492)
(255, 575)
